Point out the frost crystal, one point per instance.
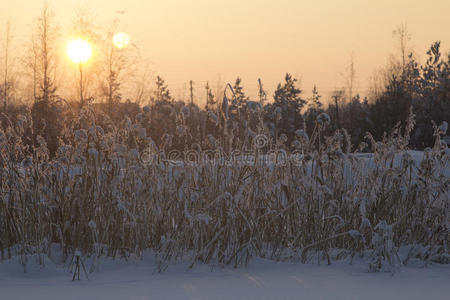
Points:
(185, 110)
(92, 224)
(443, 128)
(255, 106)
(213, 117)
(93, 152)
(81, 134)
(323, 119)
(302, 134)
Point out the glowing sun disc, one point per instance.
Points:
(79, 50)
(121, 40)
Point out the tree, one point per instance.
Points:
(356, 119)
(238, 106)
(392, 107)
(42, 63)
(288, 99)
(162, 93)
(239, 113)
(314, 101)
(349, 77)
(433, 98)
(399, 64)
(42, 59)
(83, 28)
(116, 65)
(314, 109)
(289, 94)
(350, 85)
(141, 85)
(239, 95)
(7, 84)
(401, 33)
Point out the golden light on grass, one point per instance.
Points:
(79, 50)
(121, 40)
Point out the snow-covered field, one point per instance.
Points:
(262, 279)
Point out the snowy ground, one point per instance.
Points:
(262, 279)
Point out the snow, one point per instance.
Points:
(262, 279)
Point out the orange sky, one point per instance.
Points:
(200, 39)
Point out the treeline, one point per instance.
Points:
(232, 119)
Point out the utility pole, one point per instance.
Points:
(191, 88)
(337, 96)
(207, 92)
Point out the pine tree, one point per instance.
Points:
(42, 61)
(314, 109)
(43, 55)
(162, 93)
(434, 91)
(238, 107)
(288, 99)
(314, 100)
(288, 94)
(240, 99)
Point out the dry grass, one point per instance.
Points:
(97, 198)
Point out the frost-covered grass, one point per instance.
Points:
(98, 199)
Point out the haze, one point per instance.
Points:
(313, 40)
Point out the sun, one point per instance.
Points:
(79, 50)
(121, 40)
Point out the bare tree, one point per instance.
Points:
(377, 83)
(6, 48)
(397, 65)
(118, 64)
(351, 77)
(41, 62)
(350, 87)
(141, 85)
(42, 58)
(403, 37)
(83, 28)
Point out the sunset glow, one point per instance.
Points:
(79, 50)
